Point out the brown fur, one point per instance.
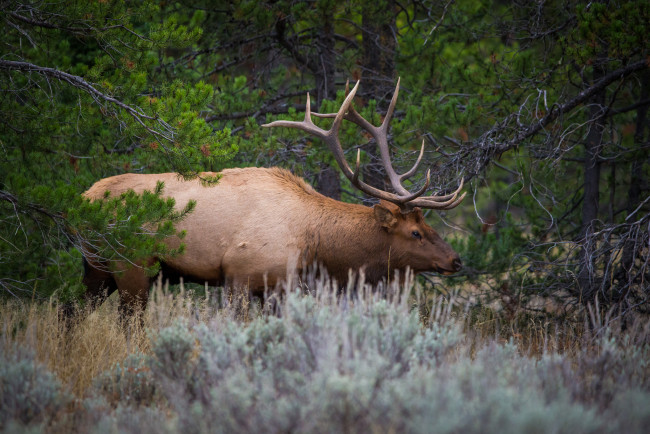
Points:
(258, 224)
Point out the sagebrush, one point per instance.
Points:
(319, 361)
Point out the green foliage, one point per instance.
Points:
(144, 221)
(202, 76)
(61, 134)
(493, 249)
(616, 29)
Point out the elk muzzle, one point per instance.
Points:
(453, 266)
(456, 264)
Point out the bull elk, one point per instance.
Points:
(257, 225)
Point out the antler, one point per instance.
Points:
(401, 196)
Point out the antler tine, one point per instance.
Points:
(355, 177)
(347, 104)
(411, 172)
(351, 114)
(391, 108)
(445, 202)
(306, 125)
(308, 110)
(408, 199)
(422, 202)
(380, 135)
(447, 196)
(402, 196)
(330, 137)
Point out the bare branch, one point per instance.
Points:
(435, 27)
(492, 142)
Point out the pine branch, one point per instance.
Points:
(83, 30)
(24, 208)
(82, 84)
(266, 108)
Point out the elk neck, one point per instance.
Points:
(347, 236)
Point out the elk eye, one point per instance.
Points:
(416, 235)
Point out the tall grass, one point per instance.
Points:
(392, 360)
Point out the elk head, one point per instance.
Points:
(399, 212)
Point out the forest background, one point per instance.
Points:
(540, 106)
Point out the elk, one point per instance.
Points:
(257, 226)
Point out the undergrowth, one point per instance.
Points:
(318, 361)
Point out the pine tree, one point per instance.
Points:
(81, 100)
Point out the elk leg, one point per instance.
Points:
(99, 285)
(133, 287)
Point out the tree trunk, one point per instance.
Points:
(325, 62)
(586, 276)
(322, 65)
(378, 70)
(378, 58)
(637, 182)
(328, 182)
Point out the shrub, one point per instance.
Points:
(367, 364)
(141, 420)
(127, 383)
(29, 393)
(630, 411)
(361, 362)
(323, 366)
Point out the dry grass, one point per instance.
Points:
(78, 353)
(78, 350)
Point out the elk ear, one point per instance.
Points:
(417, 214)
(384, 216)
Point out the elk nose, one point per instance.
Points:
(456, 264)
